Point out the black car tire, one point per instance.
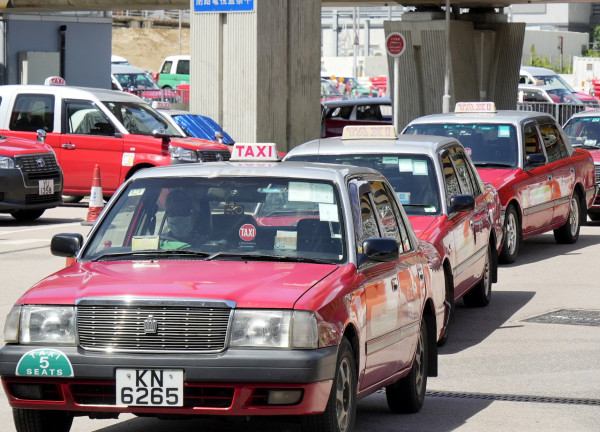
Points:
(27, 215)
(569, 232)
(27, 420)
(72, 199)
(408, 395)
(481, 294)
(512, 236)
(340, 413)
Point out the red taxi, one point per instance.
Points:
(584, 131)
(118, 131)
(180, 303)
(544, 184)
(447, 203)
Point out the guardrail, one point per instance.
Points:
(560, 111)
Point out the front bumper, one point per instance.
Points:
(235, 382)
(18, 192)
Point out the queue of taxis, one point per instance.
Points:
(543, 182)
(305, 289)
(583, 129)
(447, 203)
(115, 130)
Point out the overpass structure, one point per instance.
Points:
(257, 72)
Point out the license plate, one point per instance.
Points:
(149, 387)
(46, 187)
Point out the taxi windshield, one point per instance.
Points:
(489, 145)
(136, 81)
(262, 219)
(140, 119)
(413, 177)
(584, 131)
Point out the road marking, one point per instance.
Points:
(24, 241)
(39, 228)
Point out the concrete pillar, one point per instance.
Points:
(485, 56)
(257, 73)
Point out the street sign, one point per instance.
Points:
(223, 6)
(395, 44)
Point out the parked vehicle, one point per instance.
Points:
(174, 70)
(546, 93)
(183, 302)
(541, 76)
(584, 131)
(115, 130)
(361, 111)
(198, 126)
(31, 180)
(446, 201)
(329, 92)
(115, 59)
(136, 81)
(544, 184)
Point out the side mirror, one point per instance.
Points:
(536, 159)
(41, 135)
(462, 203)
(380, 249)
(160, 133)
(66, 245)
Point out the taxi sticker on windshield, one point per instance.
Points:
(310, 192)
(405, 165)
(429, 209)
(286, 240)
(328, 212)
(136, 192)
(419, 167)
(404, 197)
(127, 159)
(503, 131)
(44, 363)
(144, 242)
(389, 160)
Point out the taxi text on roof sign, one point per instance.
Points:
(255, 152)
(55, 80)
(475, 107)
(161, 105)
(362, 132)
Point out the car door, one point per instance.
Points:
(89, 138)
(534, 185)
(561, 169)
(388, 287)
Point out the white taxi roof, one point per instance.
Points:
(501, 116)
(71, 92)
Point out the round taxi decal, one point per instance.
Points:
(247, 232)
(44, 363)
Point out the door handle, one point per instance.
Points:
(549, 177)
(420, 273)
(68, 146)
(394, 284)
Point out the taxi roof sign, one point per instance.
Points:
(475, 107)
(161, 105)
(373, 132)
(254, 152)
(55, 81)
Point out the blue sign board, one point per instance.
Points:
(223, 5)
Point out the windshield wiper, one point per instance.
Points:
(257, 257)
(152, 253)
(485, 164)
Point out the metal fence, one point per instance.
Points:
(560, 111)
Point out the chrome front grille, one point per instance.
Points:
(213, 156)
(39, 166)
(153, 327)
(597, 170)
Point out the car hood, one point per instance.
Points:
(584, 96)
(198, 142)
(497, 177)
(595, 154)
(20, 146)
(249, 284)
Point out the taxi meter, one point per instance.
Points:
(254, 152)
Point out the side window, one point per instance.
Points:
(369, 223)
(84, 118)
(532, 140)
(32, 112)
(183, 67)
(451, 184)
(555, 147)
(463, 174)
(166, 68)
(383, 204)
(368, 112)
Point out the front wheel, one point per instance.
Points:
(340, 412)
(42, 420)
(27, 215)
(407, 395)
(512, 236)
(481, 294)
(569, 232)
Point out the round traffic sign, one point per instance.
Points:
(395, 44)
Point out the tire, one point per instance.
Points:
(407, 395)
(450, 300)
(27, 215)
(340, 412)
(41, 420)
(72, 199)
(569, 232)
(594, 216)
(512, 236)
(481, 294)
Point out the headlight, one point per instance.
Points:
(6, 162)
(183, 154)
(274, 329)
(41, 325)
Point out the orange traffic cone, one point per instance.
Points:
(96, 200)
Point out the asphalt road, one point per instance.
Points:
(530, 361)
